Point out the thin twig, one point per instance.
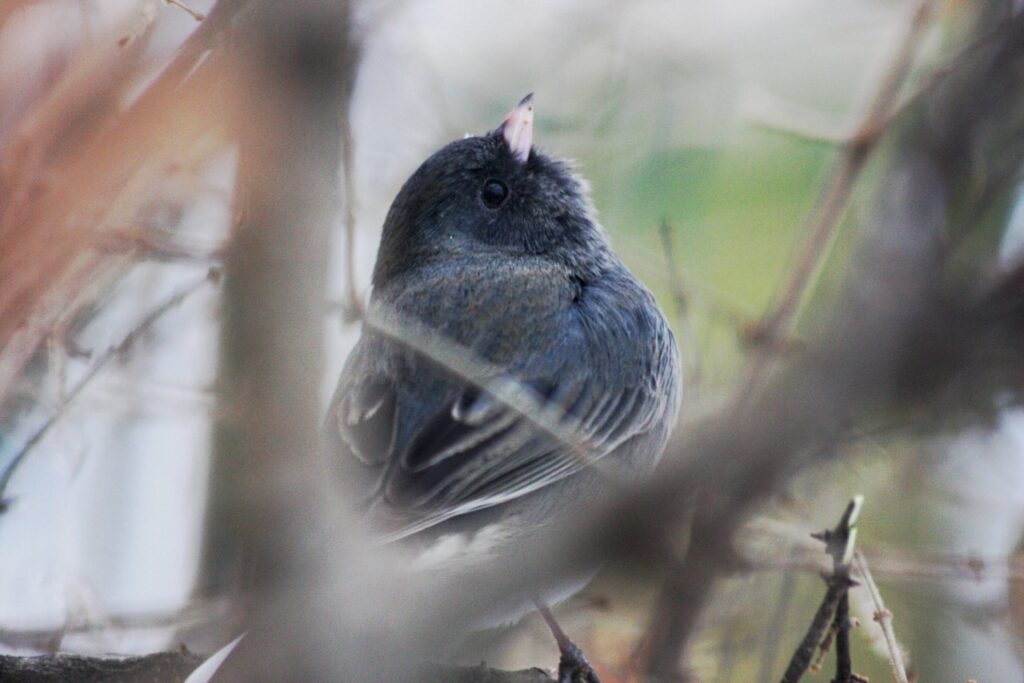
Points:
(552, 419)
(116, 351)
(185, 101)
(198, 16)
(823, 648)
(943, 569)
(155, 246)
(354, 309)
(823, 221)
(884, 618)
(839, 544)
(941, 73)
(804, 654)
(841, 625)
(932, 80)
(681, 297)
(686, 296)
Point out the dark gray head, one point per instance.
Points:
(491, 194)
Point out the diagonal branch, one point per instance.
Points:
(884, 618)
(839, 544)
(833, 198)
(869, 350)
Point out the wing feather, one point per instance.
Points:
(443, 447)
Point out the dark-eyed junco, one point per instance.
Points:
(493, 247)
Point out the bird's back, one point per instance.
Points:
(596, 354)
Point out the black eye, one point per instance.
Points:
(494, 193)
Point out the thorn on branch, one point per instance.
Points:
(832, 623)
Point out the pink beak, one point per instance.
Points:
(517, 129)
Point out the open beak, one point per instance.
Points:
(517, 129)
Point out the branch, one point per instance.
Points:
(198, 16)
(943, 568)
(891, 317)
(839, 544)
(675, 618)
(119, 350)
(482, 674)
(162, 667)
(79, 165)
(884, 618)
(953, 65)
(174, 667)
(832, 201)
(271, 512)
(685, 296)
(869, 352)
(673, 626)
(155, 246)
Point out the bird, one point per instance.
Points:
(492, 248)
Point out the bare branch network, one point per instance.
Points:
(912, 328)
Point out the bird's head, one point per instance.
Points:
(490, 194)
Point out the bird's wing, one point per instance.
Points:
(438, 446)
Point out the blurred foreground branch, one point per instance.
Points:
(174, 667)
(271, 531)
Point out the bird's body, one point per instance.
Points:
(493, 248)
